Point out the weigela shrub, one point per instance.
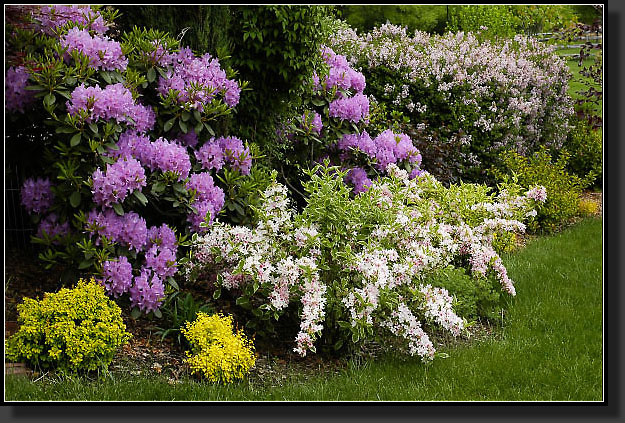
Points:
(355, 267)
(493, 95)
(217, 353)
(77, 329)
(130, 164)
(561, 189)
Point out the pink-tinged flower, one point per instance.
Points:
(537, 193)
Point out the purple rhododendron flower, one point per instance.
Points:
(358, 177)
(147, 292)
(103, 53)
(121, 179)
(163, 236)
(56, 16)
(117, 276)
(354, 108)
(51, 227)
(37, 195)
(16, 96)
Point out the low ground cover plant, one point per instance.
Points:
(73, 330)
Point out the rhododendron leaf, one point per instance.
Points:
(209, 129)
(151, 75)
(118, 209)
(186, 115)
(183, 126)
(318, 102)
(85, 264)
(93, 127)
(135, 313)
(198, 128)
(49, 99)
(65, 130)
(75, 140)
(197, 115)
(141, 197)
(169, 124)
(74, 199)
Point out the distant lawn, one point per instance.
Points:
(549, 348)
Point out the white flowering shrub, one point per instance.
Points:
(482, 96)
(355, 268)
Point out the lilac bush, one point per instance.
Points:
(494, 95)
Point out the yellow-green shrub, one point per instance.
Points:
(587, 207)
(73, 329)
(217, 352)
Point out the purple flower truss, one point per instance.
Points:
(354, 108)
(117, 276)
(147, 291)
(340, 74)
(16, 96)
(113, 102)
(103, 53)
(129, 230)
(198, 80)
(168, 156)
(51, 227)
(218, 151)
(37, 195)
(162, 236)
(161, 260)
(56, 16)
(358, 177)
(121, 179)
(315, 124)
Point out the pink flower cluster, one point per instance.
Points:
(16, 96)
(120, 179)
(103, 53)
(198, 80)
(37, 195)
(113, 102)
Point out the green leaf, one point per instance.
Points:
(141, 197)
(85, 264)
(338, 344)
(75, 140)
(217, 293)
(242, 301)
(169, 124)
(183, 126)
(74, 199)
(151, 75)
(186, 115)
(65, 130)
(197, 115)
(118, 209)
(318, 102)
(49, 99)
(135, 313)
(94, 127)
(209, 129)
(158, 313)
(173, 283)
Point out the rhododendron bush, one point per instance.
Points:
(354, 268)
(130, 164)
(335, 124)
(478, 96)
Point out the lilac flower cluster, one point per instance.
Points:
(120, 179)
(198, 80)
(37, 195)
(218, 151)
(53, 17)
(103, 53)
(209, 199)
(113, 102)
(16, 96)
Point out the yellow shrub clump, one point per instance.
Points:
(588, 207)
(73, 329)
(217, 352)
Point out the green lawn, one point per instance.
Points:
(548, 348)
